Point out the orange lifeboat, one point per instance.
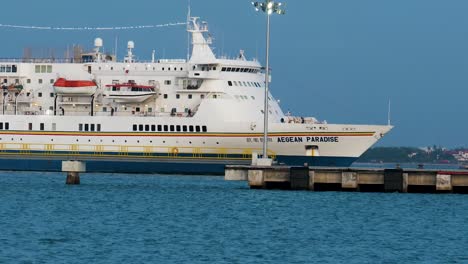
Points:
(78, 87)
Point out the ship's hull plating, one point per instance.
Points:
(188, 166)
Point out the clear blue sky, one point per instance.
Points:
(338, 60)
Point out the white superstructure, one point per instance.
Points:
(163, 113)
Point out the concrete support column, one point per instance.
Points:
(311, 180)
(73, 169)
(349, 180)
(256, 178)
(444, 182)
(405, 183)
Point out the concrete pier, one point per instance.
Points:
(73, 169)
(350, 179)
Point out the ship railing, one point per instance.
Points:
(38, 60)
(301, 120)
(129, 151)
(48, 112)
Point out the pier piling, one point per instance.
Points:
(73, 169)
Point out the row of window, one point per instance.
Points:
(169, 128)
(149, 68)
(43, 69)
(8, 68)
(229, 69)
(89, 127)
(244, 84)
(4, 126)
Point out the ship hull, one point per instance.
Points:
(193, 167)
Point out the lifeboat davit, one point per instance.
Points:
(129, 92)
(78, 87)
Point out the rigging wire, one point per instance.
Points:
(93, 28)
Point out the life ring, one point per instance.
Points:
(175, 151)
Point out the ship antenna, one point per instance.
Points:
(389, 112)
(115, 47)
(188, 33)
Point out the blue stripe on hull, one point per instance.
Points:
(162, 167)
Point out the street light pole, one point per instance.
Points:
(269, 7)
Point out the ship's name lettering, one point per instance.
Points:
(307, 139)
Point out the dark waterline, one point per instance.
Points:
(190, 219)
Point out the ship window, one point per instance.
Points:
(135, 127)
(92, 127)
(163, 68)
(245, 84)
(229, 69)
(137, 109)
(230, 83)
(37, 68)
(153, 128)
(150, 109)
(43, 68)
(223, 69)
(167, 82)
(98, 127)
(49, 68)
(177, 96)
(40, 81)
(8, 68)
(215, 96)
(165, 96)
(235, 83)
(28, 81)
(166, 128)
(86, 127)
(41, 126)
(214, 68)
(147, 128)
(238, 70)
(184, 128)
(80, 127)
(197, 128)
(140, 127)
(30, 126)
(253, 97)
(1, 125)
(159, 128)
(181, 68)
(204, 129)
(7, 126)
(178, 128)
(14, 68)
(39, 94)
(191, 128)
(240, 83)
(202, 96)
(51, 94)
(189, 96)
(51, 81)
(172, 128)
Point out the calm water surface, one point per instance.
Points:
(185, 219)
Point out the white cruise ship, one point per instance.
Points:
(169, 116)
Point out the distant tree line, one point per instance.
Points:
(408, 155)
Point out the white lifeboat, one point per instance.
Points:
(77, 87)
(129, 92)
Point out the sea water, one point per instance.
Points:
(113, 218)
